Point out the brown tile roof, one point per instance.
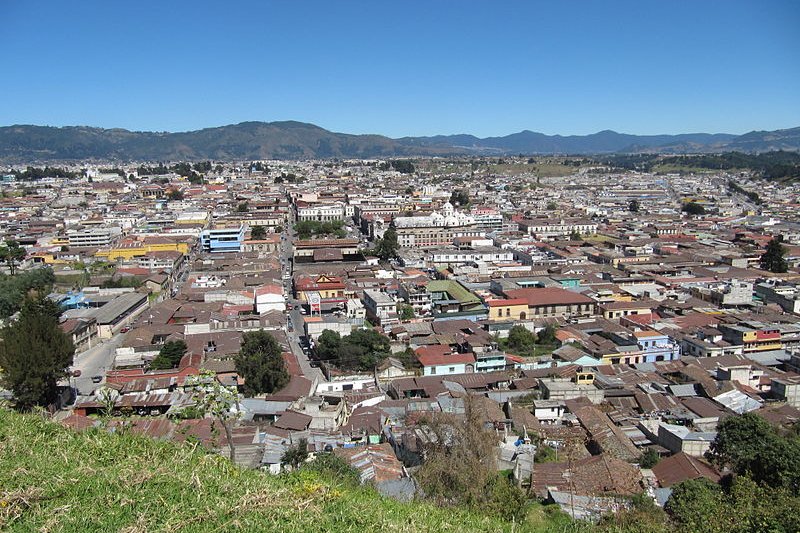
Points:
(548, 296)
(681, 467)
(293, 420)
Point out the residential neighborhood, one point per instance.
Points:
(588, 318)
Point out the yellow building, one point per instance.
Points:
(130, 248)
(513, 309)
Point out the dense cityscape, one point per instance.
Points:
(596, 328)
(401, 267)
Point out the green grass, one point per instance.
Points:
(57, 480)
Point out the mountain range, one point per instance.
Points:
(298, 140)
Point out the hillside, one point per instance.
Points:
(54, 479)
(297, 140)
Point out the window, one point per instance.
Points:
(433, 370)
(452, 369)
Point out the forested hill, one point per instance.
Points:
(297, 140)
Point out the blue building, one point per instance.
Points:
(657, 346)
(222, 239)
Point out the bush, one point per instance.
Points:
(334, 467)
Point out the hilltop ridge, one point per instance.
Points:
(299, 140)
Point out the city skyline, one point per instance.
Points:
(485, 70)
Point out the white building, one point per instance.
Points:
(269, 298)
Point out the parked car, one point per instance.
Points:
(97, 379)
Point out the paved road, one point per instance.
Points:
(94, 362)
(294, 317)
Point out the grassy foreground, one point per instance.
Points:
(55, 479)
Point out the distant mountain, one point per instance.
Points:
(297, 140)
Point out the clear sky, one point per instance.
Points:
(404, 67)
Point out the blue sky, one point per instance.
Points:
(406, 67)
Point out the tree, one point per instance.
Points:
(175, 194)
(332, 466)
(521, 339)
(363, 349)
(460, 197)
(696, 504)
(260, 363)
(547, 335)
(242, 207)
(748, 445)
(406, 312)
(649, 458)
(35, 354)
(551, 206)
(258, 233)
(328, 344)
(404, 166)
(574, 236)
(170, 355)
(13, 289)
(459, 467)
(386, 247)
(295, 456)
(693, 208)
(773, 259)
(12, 253)
(408, 357)
(633, 206)
(212, 398)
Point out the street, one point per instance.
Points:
(95, 362)
(294, 317)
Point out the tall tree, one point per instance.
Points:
(260, 363)
(35, 354)
(12, 253)
(386, 247)
(328, 344)
(633, 206)
(773, 259)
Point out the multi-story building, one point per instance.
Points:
(546, 228)
(787, 296)
(92, 238)
(730, 293)
(752, 336)
(435, 229)
(321, 212)
(380, 307)
(454, 256)
(553, 302)
(656, 346)
(222, 239)
(415, 295)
